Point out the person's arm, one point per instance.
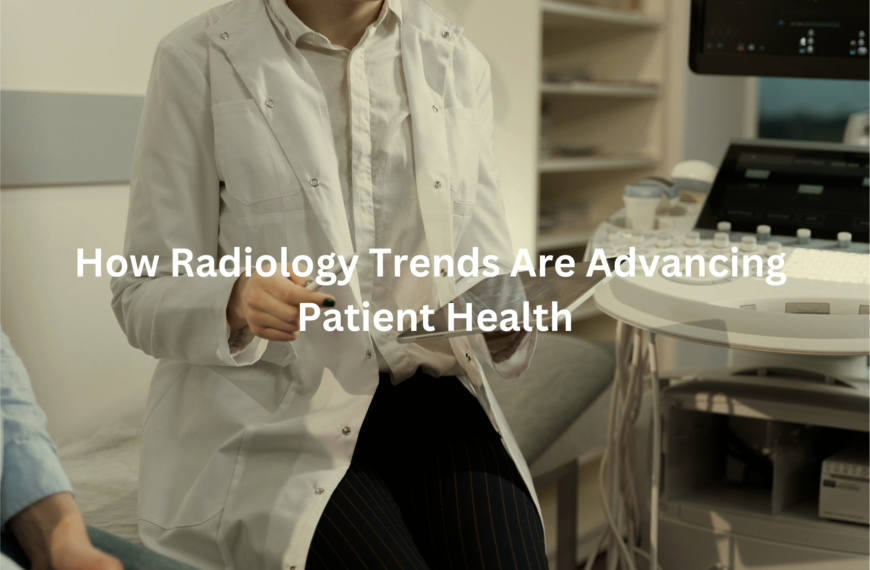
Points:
(36, 501)
(487, 230)
(53, 534)
(174, 203)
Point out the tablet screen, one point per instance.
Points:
(505, 302)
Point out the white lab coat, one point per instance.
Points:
(238, 462)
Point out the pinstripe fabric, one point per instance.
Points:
(430, 486)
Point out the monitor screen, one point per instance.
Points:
(786, 38)
(791, 185)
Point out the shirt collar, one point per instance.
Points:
(296, 28)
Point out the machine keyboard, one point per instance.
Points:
(823, 265)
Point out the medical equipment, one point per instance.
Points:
(693, 176)
(857, 129)
(844, 487)
(809, 190)
(791, 355)
(780, 38)
(643, 199)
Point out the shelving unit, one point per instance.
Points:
(589, 163)
(592, 89)
(617, 107)
(572, 14)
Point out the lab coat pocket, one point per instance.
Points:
(250, 160)
(190, 447)
(462, 213)
(463, 136)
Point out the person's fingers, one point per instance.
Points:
(273, 334)
(293, 294)
(288, 273)
(265, 320)
(260, 300)
(298, 280)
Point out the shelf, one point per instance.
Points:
(746, 512)
(574, 237)
(564, 14)
(592, 163)
(591, 89)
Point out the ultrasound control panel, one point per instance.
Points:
(805, 191)
(803, 204)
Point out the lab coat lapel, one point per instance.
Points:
(288, 94)
(425, 59)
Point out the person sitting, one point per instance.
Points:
(36, 497)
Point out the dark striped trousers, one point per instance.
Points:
(430, 486)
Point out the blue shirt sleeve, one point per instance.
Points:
(29, 467)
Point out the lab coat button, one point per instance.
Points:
(345, 430)
(435, 108)
(224, 35)
(270, 103)
(285, 351)
(368, 354)
(319, 490)
(445, 34)
(315, 182)
(443, 273)
(437, 184)
(468, 357)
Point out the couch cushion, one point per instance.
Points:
(565, 376)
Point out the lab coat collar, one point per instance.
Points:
(296, 28)
(423, 16)
(238, 24)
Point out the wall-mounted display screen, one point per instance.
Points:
(785, 38)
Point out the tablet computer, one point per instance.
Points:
(529, 300)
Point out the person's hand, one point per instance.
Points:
(71, 551)
(53, 534)
(270, 305)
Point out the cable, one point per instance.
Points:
(656, 455)
(618, 494)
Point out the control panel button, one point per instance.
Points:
(804, 235)
(748, 243)
(612, 234)
(724, 226)
(844, 239)
(773, 248)
(721, 240)
(808, 308)
(637, 237)
(693, 239)
(664, 240)
(763, 232)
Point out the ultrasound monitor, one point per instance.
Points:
(789, 185)
(786, 38)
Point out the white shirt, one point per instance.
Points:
(367, 104)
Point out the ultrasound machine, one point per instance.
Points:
(753, 437)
